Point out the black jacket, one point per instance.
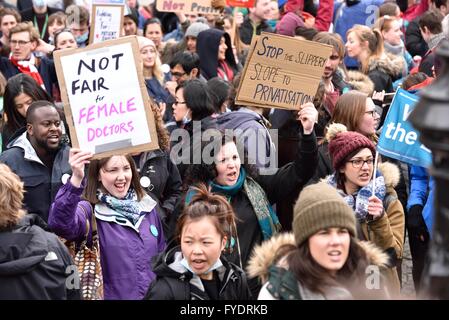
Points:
(34, 264)
(247, 30)
(165, 185)
(45, 67)
(414, 42)
(174, 282)
(40, 184)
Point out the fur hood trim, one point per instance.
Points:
(264, 255)
(390, 173)
(389, 63)
(360, 82)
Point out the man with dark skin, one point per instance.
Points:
(39, 158)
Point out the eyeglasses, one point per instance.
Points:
(372, 112)
(21, 43)
(178, 75)
(358, 163)
(179, 102)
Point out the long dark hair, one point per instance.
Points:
(92, 184)
(18, 84)
(205, 172)
(197, 99)
(314, 277)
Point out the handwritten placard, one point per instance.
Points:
(282, 72)
(107, 22)
(105, 99)
(186, 6)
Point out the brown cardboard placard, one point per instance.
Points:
(186, 6)
(104, 18)
(105, 98)
(282, 72)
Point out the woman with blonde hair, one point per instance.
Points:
(33, 262)
(390, 28)
(367, 46)
(152, 72)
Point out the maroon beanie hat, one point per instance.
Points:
(342, 143)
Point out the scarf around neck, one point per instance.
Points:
(127, 208)
(224, 71)
(268, 220)
(28, 67)
(359, 200)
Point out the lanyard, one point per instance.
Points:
(42, 33)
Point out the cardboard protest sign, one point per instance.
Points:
(399, 140)
(107, 22)
(105, 98)
(240, 3)
(282, 72)
(186, 6)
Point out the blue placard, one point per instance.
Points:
(399, 139)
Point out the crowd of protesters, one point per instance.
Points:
(299, 214)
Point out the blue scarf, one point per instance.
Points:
(127, 208)
(359, 201)
(268, 220)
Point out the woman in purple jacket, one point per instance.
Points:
(129, 229)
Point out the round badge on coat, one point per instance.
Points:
(65, 177)
(145, 182)
(153, 230)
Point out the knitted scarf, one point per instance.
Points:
(224, 71)
(29, 68)
(268, 220)
(359, 200)
(127, 208)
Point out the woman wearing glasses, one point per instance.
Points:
(378, 211)
(356, 111)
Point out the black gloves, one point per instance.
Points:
(415, 223)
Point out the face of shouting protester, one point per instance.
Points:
(358, 170)
(201, 245)
(227, 164)
(44, 131)
(116, 176)
(330, 248)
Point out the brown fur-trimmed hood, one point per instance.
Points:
(264, 255)
(360, 82)
(388, 63)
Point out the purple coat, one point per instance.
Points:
(125, 253)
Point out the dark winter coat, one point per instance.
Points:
(247, 30)
(175, 282)
(165, 185)
(45, 67)
(414, 42)
(40, 184)
(34, 264)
